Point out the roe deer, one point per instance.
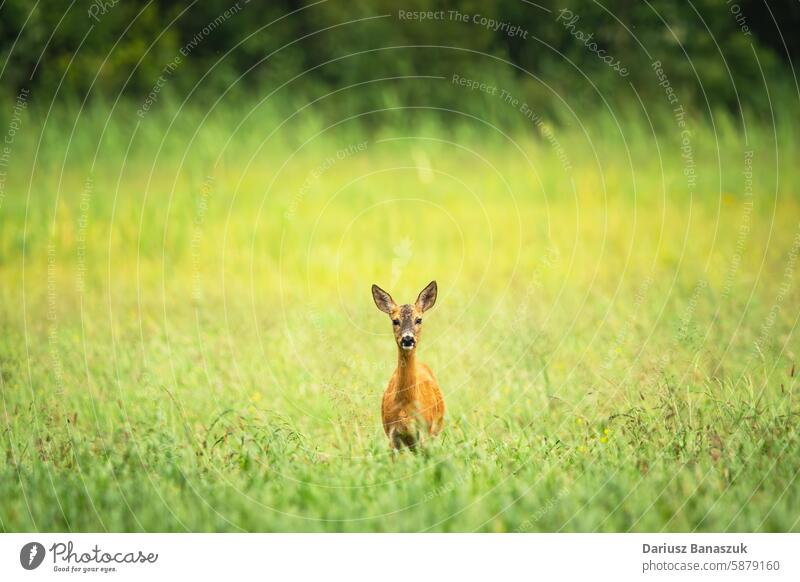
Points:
(412, 405)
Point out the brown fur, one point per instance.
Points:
(412, 406)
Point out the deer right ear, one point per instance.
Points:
(427, 297)
(382, 299)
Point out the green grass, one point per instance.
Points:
(181, 352)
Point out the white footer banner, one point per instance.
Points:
(387, 557)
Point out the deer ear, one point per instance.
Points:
(382, 299)
(427, 297)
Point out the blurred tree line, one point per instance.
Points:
(715, 53)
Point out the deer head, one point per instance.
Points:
(406, 319)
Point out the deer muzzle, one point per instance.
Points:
(407, 342)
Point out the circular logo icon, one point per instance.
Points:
(31, 555)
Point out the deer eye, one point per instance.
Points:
(396, 321)
(419, 321)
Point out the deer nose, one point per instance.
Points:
(407, 341)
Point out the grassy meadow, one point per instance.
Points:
(189, 341)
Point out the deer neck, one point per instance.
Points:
(406, 375)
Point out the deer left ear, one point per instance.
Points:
(382, 299)
(427, 297)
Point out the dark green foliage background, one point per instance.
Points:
(123, 51)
